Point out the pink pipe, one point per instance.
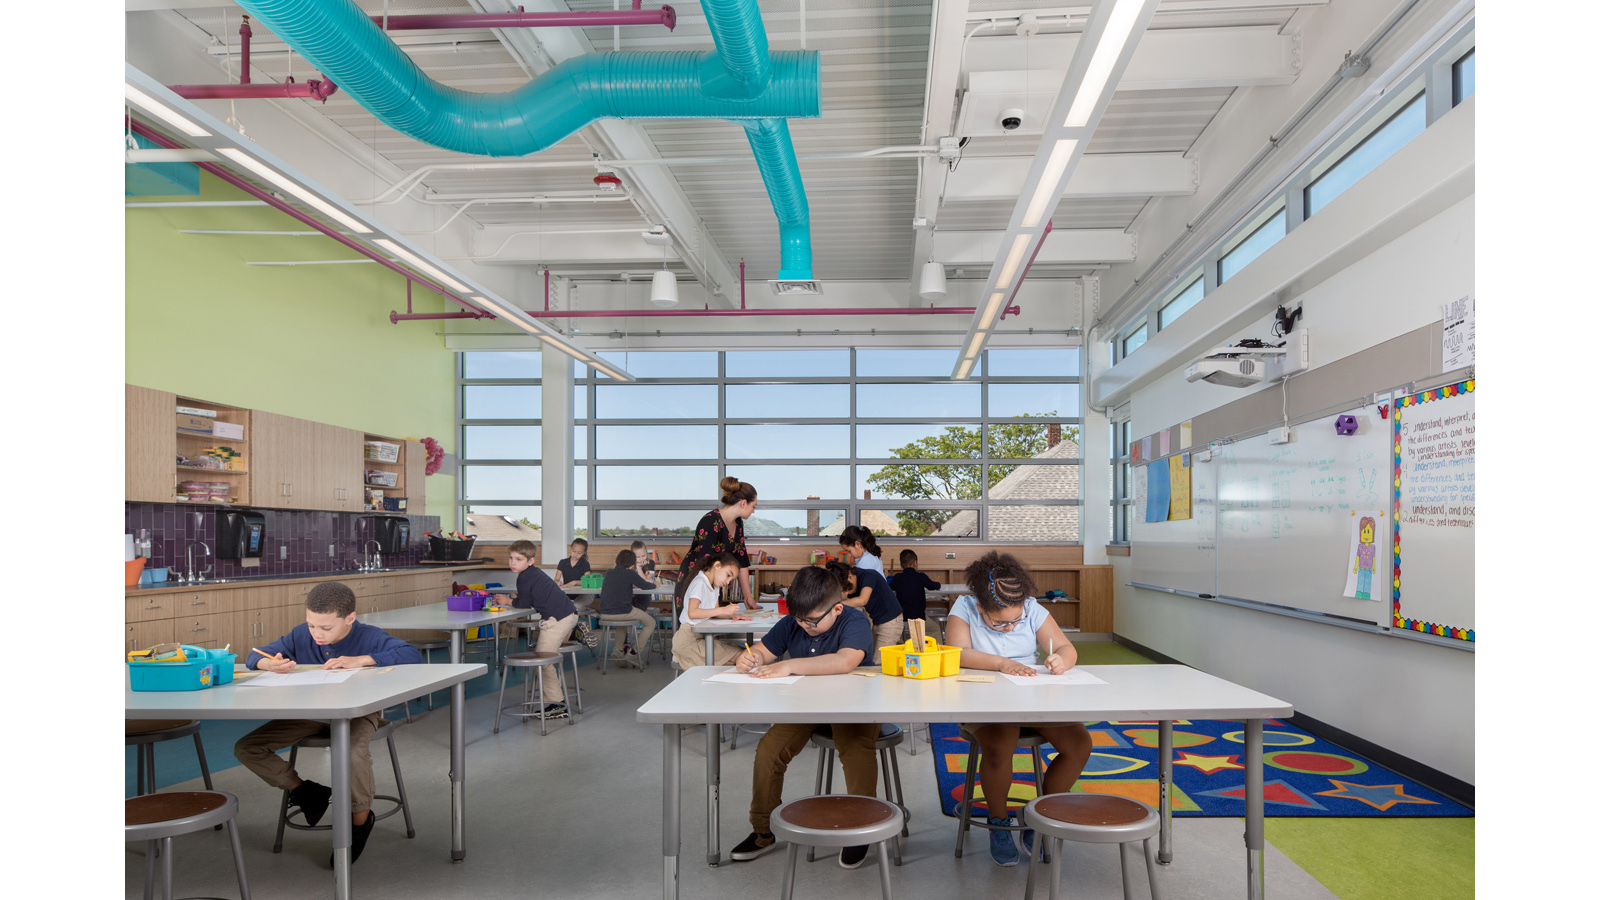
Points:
(884, 311)
(244, 56)
(312, 89)
(666, 15)
(163, 141)
(396, 318)
(741, 284)
(1018, 286)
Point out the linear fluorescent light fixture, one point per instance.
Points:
(996, 300)
(1118, 27)
(977, 341)
(1046, 194)
(416, 262)
(163, 112)
(966, 367)
(299, 191)
(1013, 259)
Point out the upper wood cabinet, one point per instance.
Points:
(416, 460)
(281, 473)
(151, 445)
(336, 467)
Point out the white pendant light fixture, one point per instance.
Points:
(663, 289)
(932, 284)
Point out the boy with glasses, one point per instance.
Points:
(1001, 627)
(822, 636)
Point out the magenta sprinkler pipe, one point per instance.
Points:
(396, 318)
(666, 15)
(244, 51)
(741, 284)
(312, 89)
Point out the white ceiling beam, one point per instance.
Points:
(1097, 175)
(1166, 59)
(1085, 246)
(509, 245)
(939, 110)
(1167, 6)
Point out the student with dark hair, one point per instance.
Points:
(862, 547)
(722, 531)
(618, 603)
(332, 638)
(866, 590)
(910, 587)
(1001, 627)
(702, 601)
(821, 636)
(572, 569)
(558, 617)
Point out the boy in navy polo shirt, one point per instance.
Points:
(822, 636)
(332, 638)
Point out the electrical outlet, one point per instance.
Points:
(949, 556)
(283, 551)
(330, 551)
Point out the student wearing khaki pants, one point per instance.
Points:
(867, 590)
(700, 604)
(536, 591)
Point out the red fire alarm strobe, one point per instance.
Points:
(607, 181)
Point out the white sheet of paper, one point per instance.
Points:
(1071, 676)
(299, 679)
(740, 678)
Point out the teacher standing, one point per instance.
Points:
(722, 531)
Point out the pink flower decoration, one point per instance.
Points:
(435, 455)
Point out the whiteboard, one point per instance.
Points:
(1284, 516)
(1435, 442)
(1178, 555)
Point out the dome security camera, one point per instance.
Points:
(1011, 119)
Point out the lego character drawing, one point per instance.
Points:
(1366, 550)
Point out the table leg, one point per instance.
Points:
(713, 791)
(458, 755)
(671, 813)
(711, 652)
(339, 756)
(1254, 812)
(1164, 856)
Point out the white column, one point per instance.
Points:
(556, 454)
(1094, 446)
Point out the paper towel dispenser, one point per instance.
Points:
(241, 534)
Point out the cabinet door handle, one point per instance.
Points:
(198, 603)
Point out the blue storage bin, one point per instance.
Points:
(205, 668)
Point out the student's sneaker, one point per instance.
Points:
(358, 839)
(853, 857)
(1001, 845)
(632, 657)
(313, 800)
(1026, 844)
(555, 710)
(754, 846)
(589, 636)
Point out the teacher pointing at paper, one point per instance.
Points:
(722, 531)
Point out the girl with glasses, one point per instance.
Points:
(1002, 628)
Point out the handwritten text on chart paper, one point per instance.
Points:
(1438, 448)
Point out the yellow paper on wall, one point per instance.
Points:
(1180, 486)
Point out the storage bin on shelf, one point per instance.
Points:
(381, 478)
(933, 661)
(204, 667)
(381, 451)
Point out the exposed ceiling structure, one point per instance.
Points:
(899, 78)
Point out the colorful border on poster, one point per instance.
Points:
(1400, 621)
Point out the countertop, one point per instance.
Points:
(170, 587)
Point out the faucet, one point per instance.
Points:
(374, 561)
(189, 554)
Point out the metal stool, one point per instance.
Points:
(608, 641)
(1030, 740)
(889, 737)
(527, 630)
(1092, 819)
(144, 734)
(569, 650)
(538, 662)
(286, 813)
(158, 818)
(427, 648)
(661, 638)
(734, 743)
(837, 820)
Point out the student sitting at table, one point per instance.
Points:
(618, 603)
(333, 639)
(647, 566)
(866, 590)
(557, 617)
(701, 603)
(571, 570)
(822, 636)
(910, 587)
(1001, 627)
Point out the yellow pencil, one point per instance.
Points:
(266, 654)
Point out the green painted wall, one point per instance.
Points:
(308, 341)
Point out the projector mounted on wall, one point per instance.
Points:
(1252, 361)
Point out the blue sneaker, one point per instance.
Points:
(1001, 845)
(1027, 842)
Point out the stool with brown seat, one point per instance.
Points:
(837, 820)
(1029, 740)
(144, 734)
(1093, 819)
(157, 818)
(538, 661)
(889, 737)
(384, 732)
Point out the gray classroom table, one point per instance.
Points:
(366, 692)
(758, 627)
(439, 617)
(1139, 693)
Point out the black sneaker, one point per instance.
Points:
(589, 636)
(313, 800)
(555, 710)
(358, 839)
(853, 857)
(754, 846)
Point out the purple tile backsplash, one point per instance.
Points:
(306, 534)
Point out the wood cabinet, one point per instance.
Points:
(407, 472)
(336, 468)
(280, 473)
(151, 445)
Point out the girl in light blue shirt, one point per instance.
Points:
(1002, 628)
(863, 548)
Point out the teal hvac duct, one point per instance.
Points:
(742, 81)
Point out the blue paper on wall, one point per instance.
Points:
(1158, 492)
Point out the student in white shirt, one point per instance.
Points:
(1002, 628)
(702, 601)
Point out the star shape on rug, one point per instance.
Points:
(1208, 764)
(1377, 796)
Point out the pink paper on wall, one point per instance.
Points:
(1166, 441)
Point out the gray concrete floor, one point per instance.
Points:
(577, 814)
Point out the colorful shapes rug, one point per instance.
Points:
(1304, 775)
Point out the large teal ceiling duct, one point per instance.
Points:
(742, 81)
